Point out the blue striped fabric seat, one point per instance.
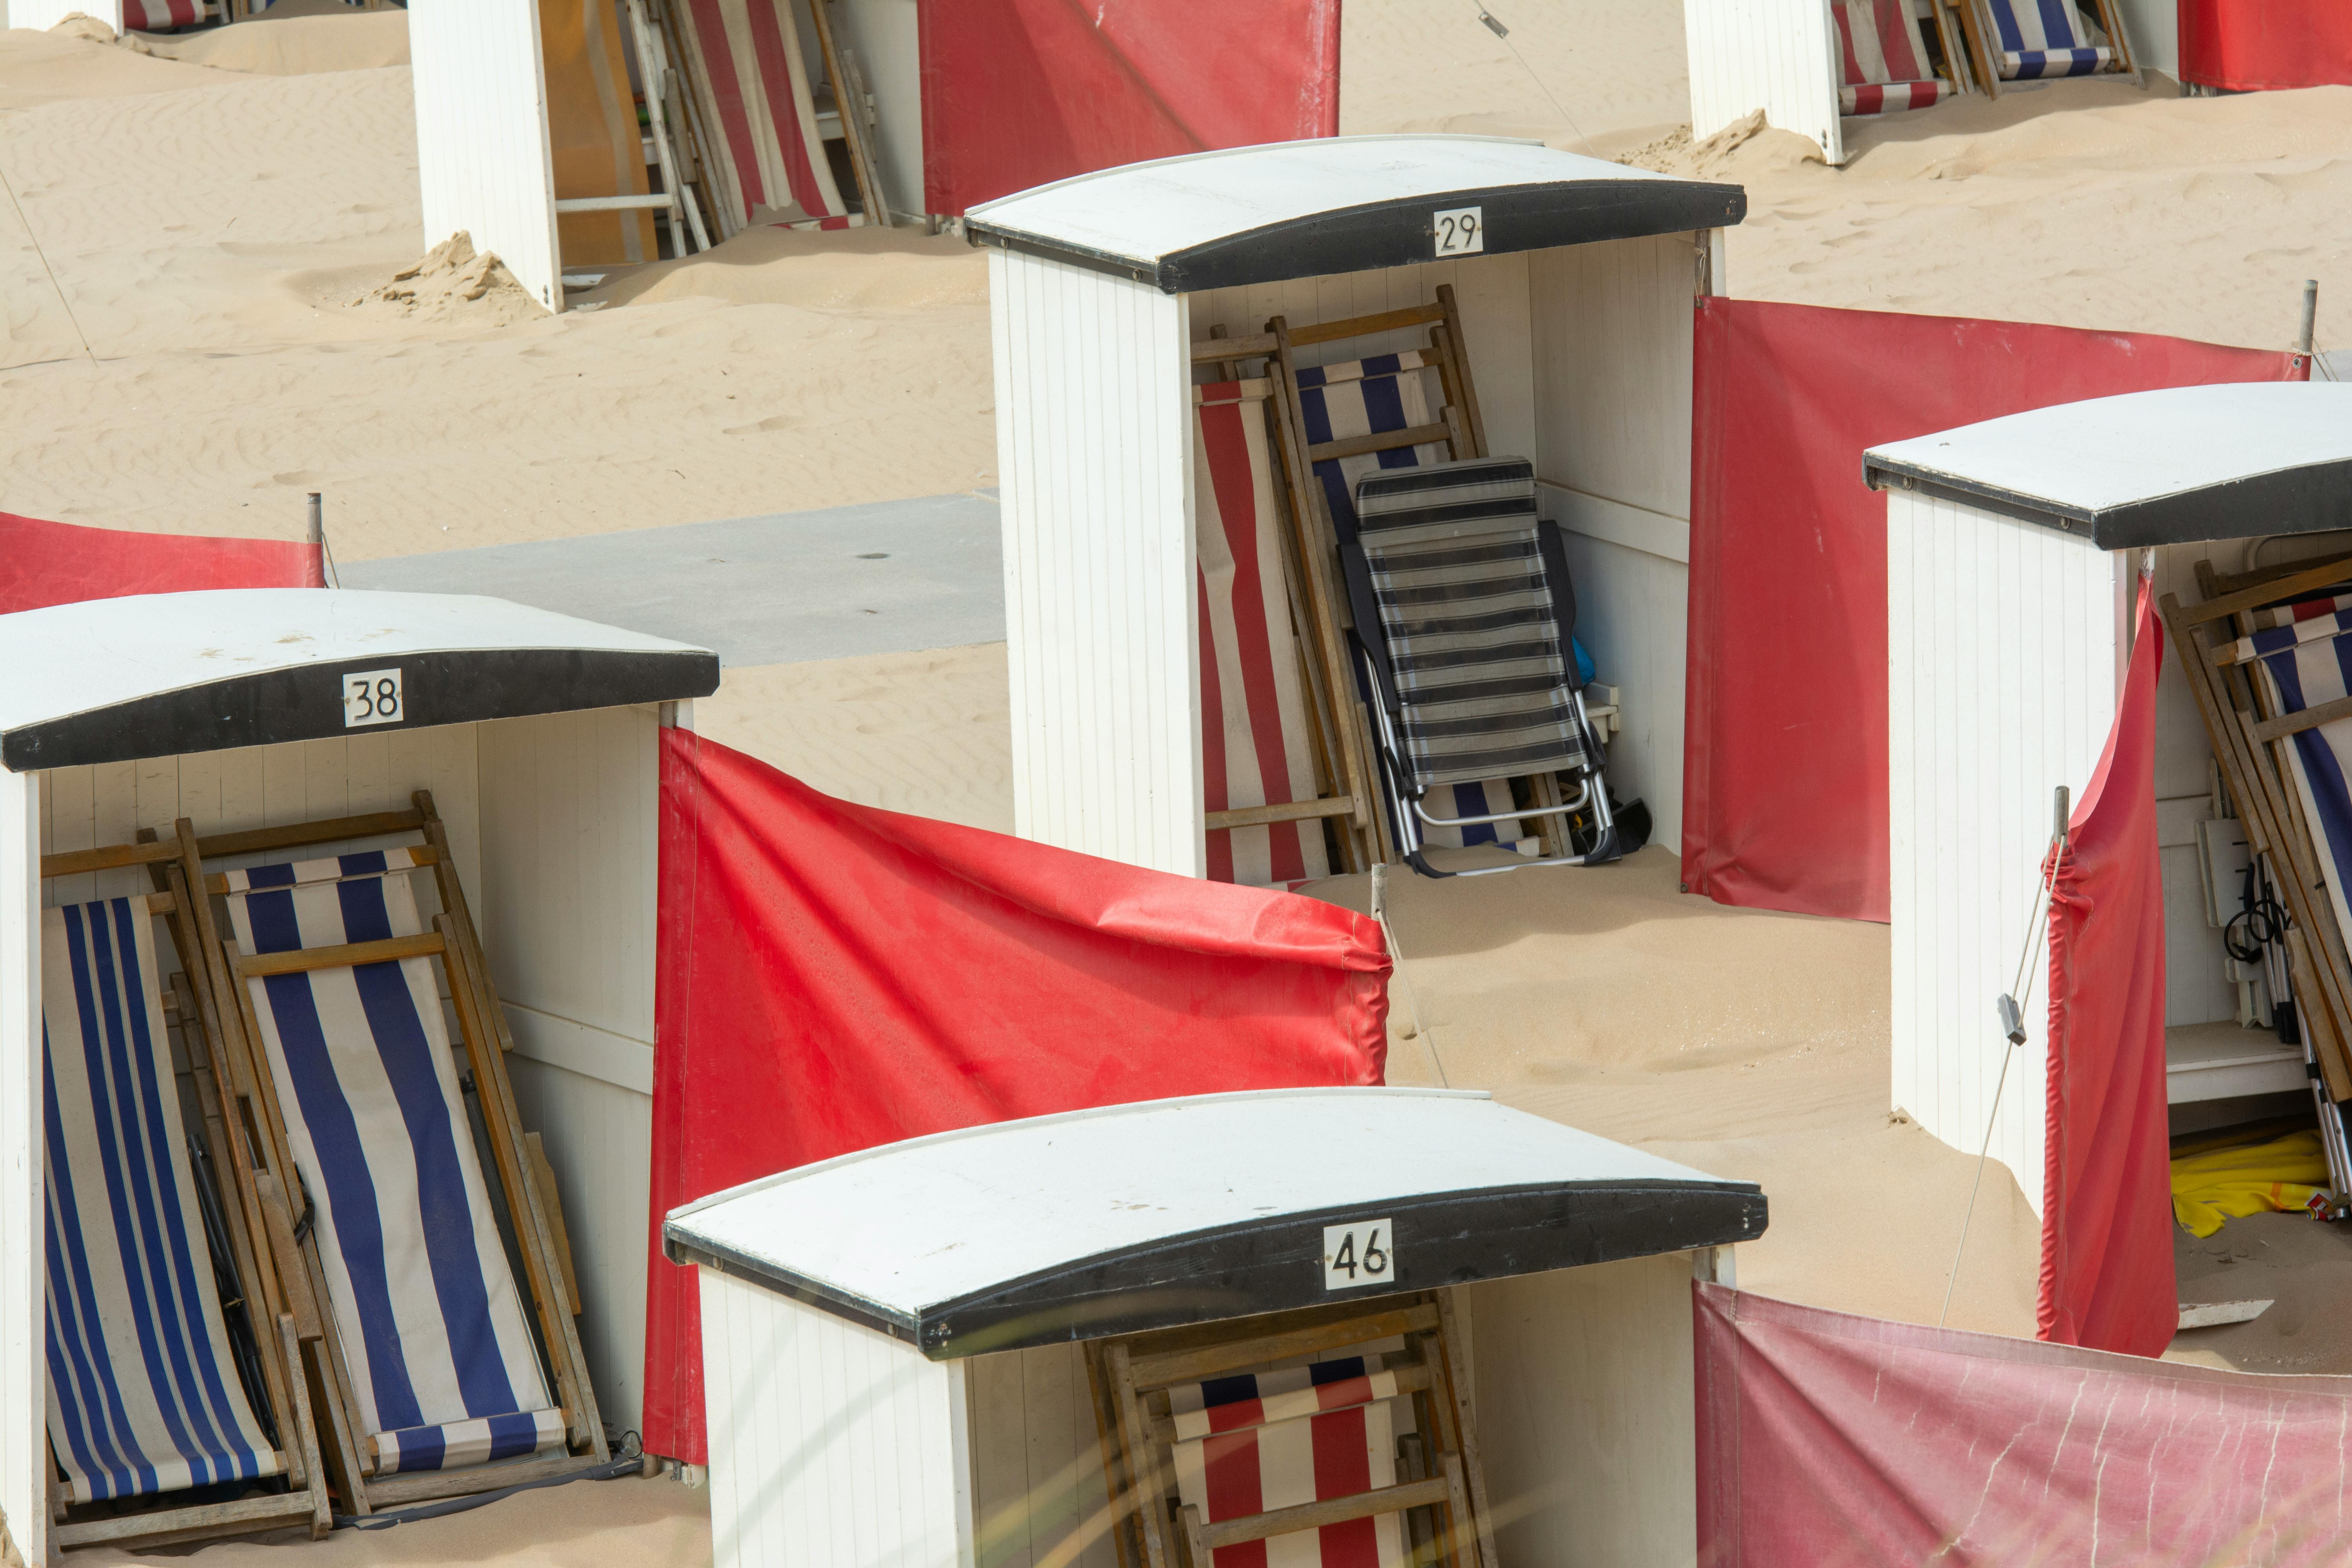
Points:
(2044, 39)
(2301, 670)
(1374, 396)
(433, 1332)
(145, 1395)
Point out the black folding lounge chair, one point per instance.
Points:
(1465, 616)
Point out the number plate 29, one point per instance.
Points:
(373, 696)
(1459, 231)
(1361, 1252)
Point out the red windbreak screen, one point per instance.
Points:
(833, 977)
(2106, 1214)
(1022, 92)
(1832, 1441)
(1784, 767)
(2241, 46)
(44, 563)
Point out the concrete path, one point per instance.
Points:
(889, 578)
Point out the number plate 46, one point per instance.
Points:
(1360, 1252)
(373, 696)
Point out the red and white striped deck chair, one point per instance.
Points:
(160, 15)
(1254, 743)
(1252, 1443)
(751, 84)
(1884, 58)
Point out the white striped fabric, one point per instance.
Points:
(143, 1393)
(432, 1325)
(2283, 635)
(330, 870)
(1469, 618)
(1363, 397)
(1891, 98)
(766, 162)
(1232, 1475)
(1254, 1399)
(154, 15)
(2044, 39)
(1253, 735)
(2302, 609)
(2300, 674)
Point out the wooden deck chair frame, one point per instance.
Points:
(1342, 765)
(1983, 40)
(2248, 743)
(1442, 1489)
(293, 1278)
(1462, 430)
(284, 1328)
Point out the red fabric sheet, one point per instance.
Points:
(1020, 92)
(44, 564)
(1784, 764)
(1831, 1441)
(2106, 1212)
(2247, 45)
(833, 977)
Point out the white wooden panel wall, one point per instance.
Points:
(2152, 28)
(483, 157)
(1610, 372)
(830, 1443)
(2197, 990)
(24, 1462)
(1779, 55)
(1585, 1411)
(46, 14)
(1038, 1469)
(1093, 448)
(571, 830)
(2004, 648)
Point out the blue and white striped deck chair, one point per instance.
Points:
(144, 1396)
(439, 1356)
(1384, 396)
(2305, 661)
(2031, 39)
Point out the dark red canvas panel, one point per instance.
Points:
(44, 564)
(1784, 764)
(1022, 92)
(833, 977)
(2244, 46)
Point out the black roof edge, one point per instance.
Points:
(741, 1266)
(1397, 233)
(2311, 497)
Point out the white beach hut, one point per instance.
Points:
(1565, 283)
(924, 1354)
(2012, 550)
(241, 726)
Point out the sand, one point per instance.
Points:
(300, 39)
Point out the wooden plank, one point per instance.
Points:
(1123, 1501)
(1457, 1372)
(1378, 441)
(1362, 326)
(1150, 1487)
(293, 835)
(542, 1175)
(342, 955)
(424, 855)
(1192, 1364)
(280, 1217)
(851, 111)
(244, 1516)
(1282, 811)
(2265, 730)
(1327, 1511)
(309, 1467)
(76, 862)
(2325, 574)
(392, 1491)
(1457, 347)
(1257, 346)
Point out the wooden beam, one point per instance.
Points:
(1192, 1364)
(2269, 730)
(2325, 574)
(75, 862)
(243, 1516)
(1378, 441)
(342, 955)
(1361, 326)
(1284, 810)
(1328, 1511)
(1256, 347)
(422, 854)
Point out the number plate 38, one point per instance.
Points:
(1360, 1252)
(373, 696)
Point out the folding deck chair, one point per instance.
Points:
(1275, 765)
(2023, 40)
(1226, 1445)
(755, 115)
(435, 1375)
(1883, 60)
(148, 1397)
(1465, 620)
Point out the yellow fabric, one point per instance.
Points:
(2250, 1179)
(592, 125)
